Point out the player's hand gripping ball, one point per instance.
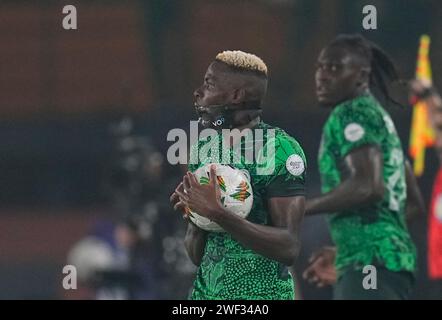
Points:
(236, 193)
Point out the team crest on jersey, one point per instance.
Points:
(354, 132)
(295, 165)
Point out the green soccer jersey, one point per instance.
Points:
(376, 234)
(229, 270)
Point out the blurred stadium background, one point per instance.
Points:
(85, 113)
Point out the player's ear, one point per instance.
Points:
(364, 76)
(238, 96)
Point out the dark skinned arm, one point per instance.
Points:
(195, 239)
(415, 201)
(364, 184)
(433, 101)
(195, 242)
(278, 241)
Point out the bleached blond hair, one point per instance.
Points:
(242, 60)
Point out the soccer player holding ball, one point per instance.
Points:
(365, 181)
(250, 258)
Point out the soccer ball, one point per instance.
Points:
(236, 193)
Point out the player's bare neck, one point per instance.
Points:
(253, 123)
(362, 91)
(356, 94)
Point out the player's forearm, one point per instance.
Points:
(351, 193)
(434, 100)
(276, 243)
(195, 242)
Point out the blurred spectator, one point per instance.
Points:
(142, 255)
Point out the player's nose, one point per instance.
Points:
(197, 93)
(321, 76)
